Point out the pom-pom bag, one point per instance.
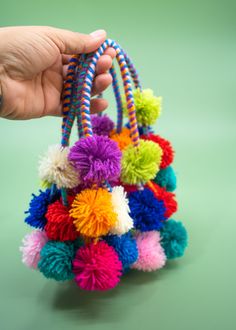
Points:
(108, 200)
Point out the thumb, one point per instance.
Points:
(70, 42)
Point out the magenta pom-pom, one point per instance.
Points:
(102, 125)
(97, 267)
(151, 255)
(97, 158)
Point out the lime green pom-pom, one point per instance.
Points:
(148, 106)
(140, 164)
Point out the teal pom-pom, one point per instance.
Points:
(56, 260)
(174, 239)
(166, 178)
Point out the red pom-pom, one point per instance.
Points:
(60, 225)
(167, 197)
(127, 187)
(168, 152)
(97, 267)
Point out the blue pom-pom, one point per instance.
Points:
(142, 130)
(126, 248)
(38, 208)
(166, 178)
(174, 239)
(147, 211)
(56, 260)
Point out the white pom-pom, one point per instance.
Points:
(121, 207)
(55, 168)
(32, 245)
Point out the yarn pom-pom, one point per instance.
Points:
(151, 255)
(37, 209)
(123, 138)
(55, 168)
(97, 267)
(56, 260)
(166, 178)
(121, 207)
(126, 248)
(168, 152)
(167, 197)
(93, 212)
(32, 245)
(140, 164)
(97, 158)
(142, 129)
(102, 125)
(174, 239)
(148, 106)
(60, 224)
(147, 211)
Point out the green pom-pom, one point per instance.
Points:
(140, 164)
(148, 106)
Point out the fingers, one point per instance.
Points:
(97, 105)
(104, 63)
(70, 42)
(101, 82)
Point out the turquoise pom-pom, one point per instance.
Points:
(166, 178)
(56, 260)
(174, 239)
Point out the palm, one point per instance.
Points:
(36, 83)
(33, 70)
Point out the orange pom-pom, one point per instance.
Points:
(123, 138)
(93, 212)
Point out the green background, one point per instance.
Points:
(186, 52)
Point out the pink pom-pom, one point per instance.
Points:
(97, 267)
(32, 245)
(151, 255)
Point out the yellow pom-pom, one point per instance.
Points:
(93, 212)
(148, 106)
(123, 138)
(140, 164)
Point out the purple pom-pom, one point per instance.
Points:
(97, 159)
(102, 125)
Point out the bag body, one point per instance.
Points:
(108, 199)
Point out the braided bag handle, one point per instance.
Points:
(84, 97)
(74, 81)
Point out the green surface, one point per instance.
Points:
(185, 51)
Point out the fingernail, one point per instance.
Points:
(98, 33)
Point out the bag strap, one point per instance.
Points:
(78, 87)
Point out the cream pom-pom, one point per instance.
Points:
(121, 207)
(55, 168)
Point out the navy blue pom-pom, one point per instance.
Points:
(146, 210)
(126, 248)
(142, 130)
(166, 178)
(174, 239)
(38, 208)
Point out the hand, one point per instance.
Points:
(33, 64)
